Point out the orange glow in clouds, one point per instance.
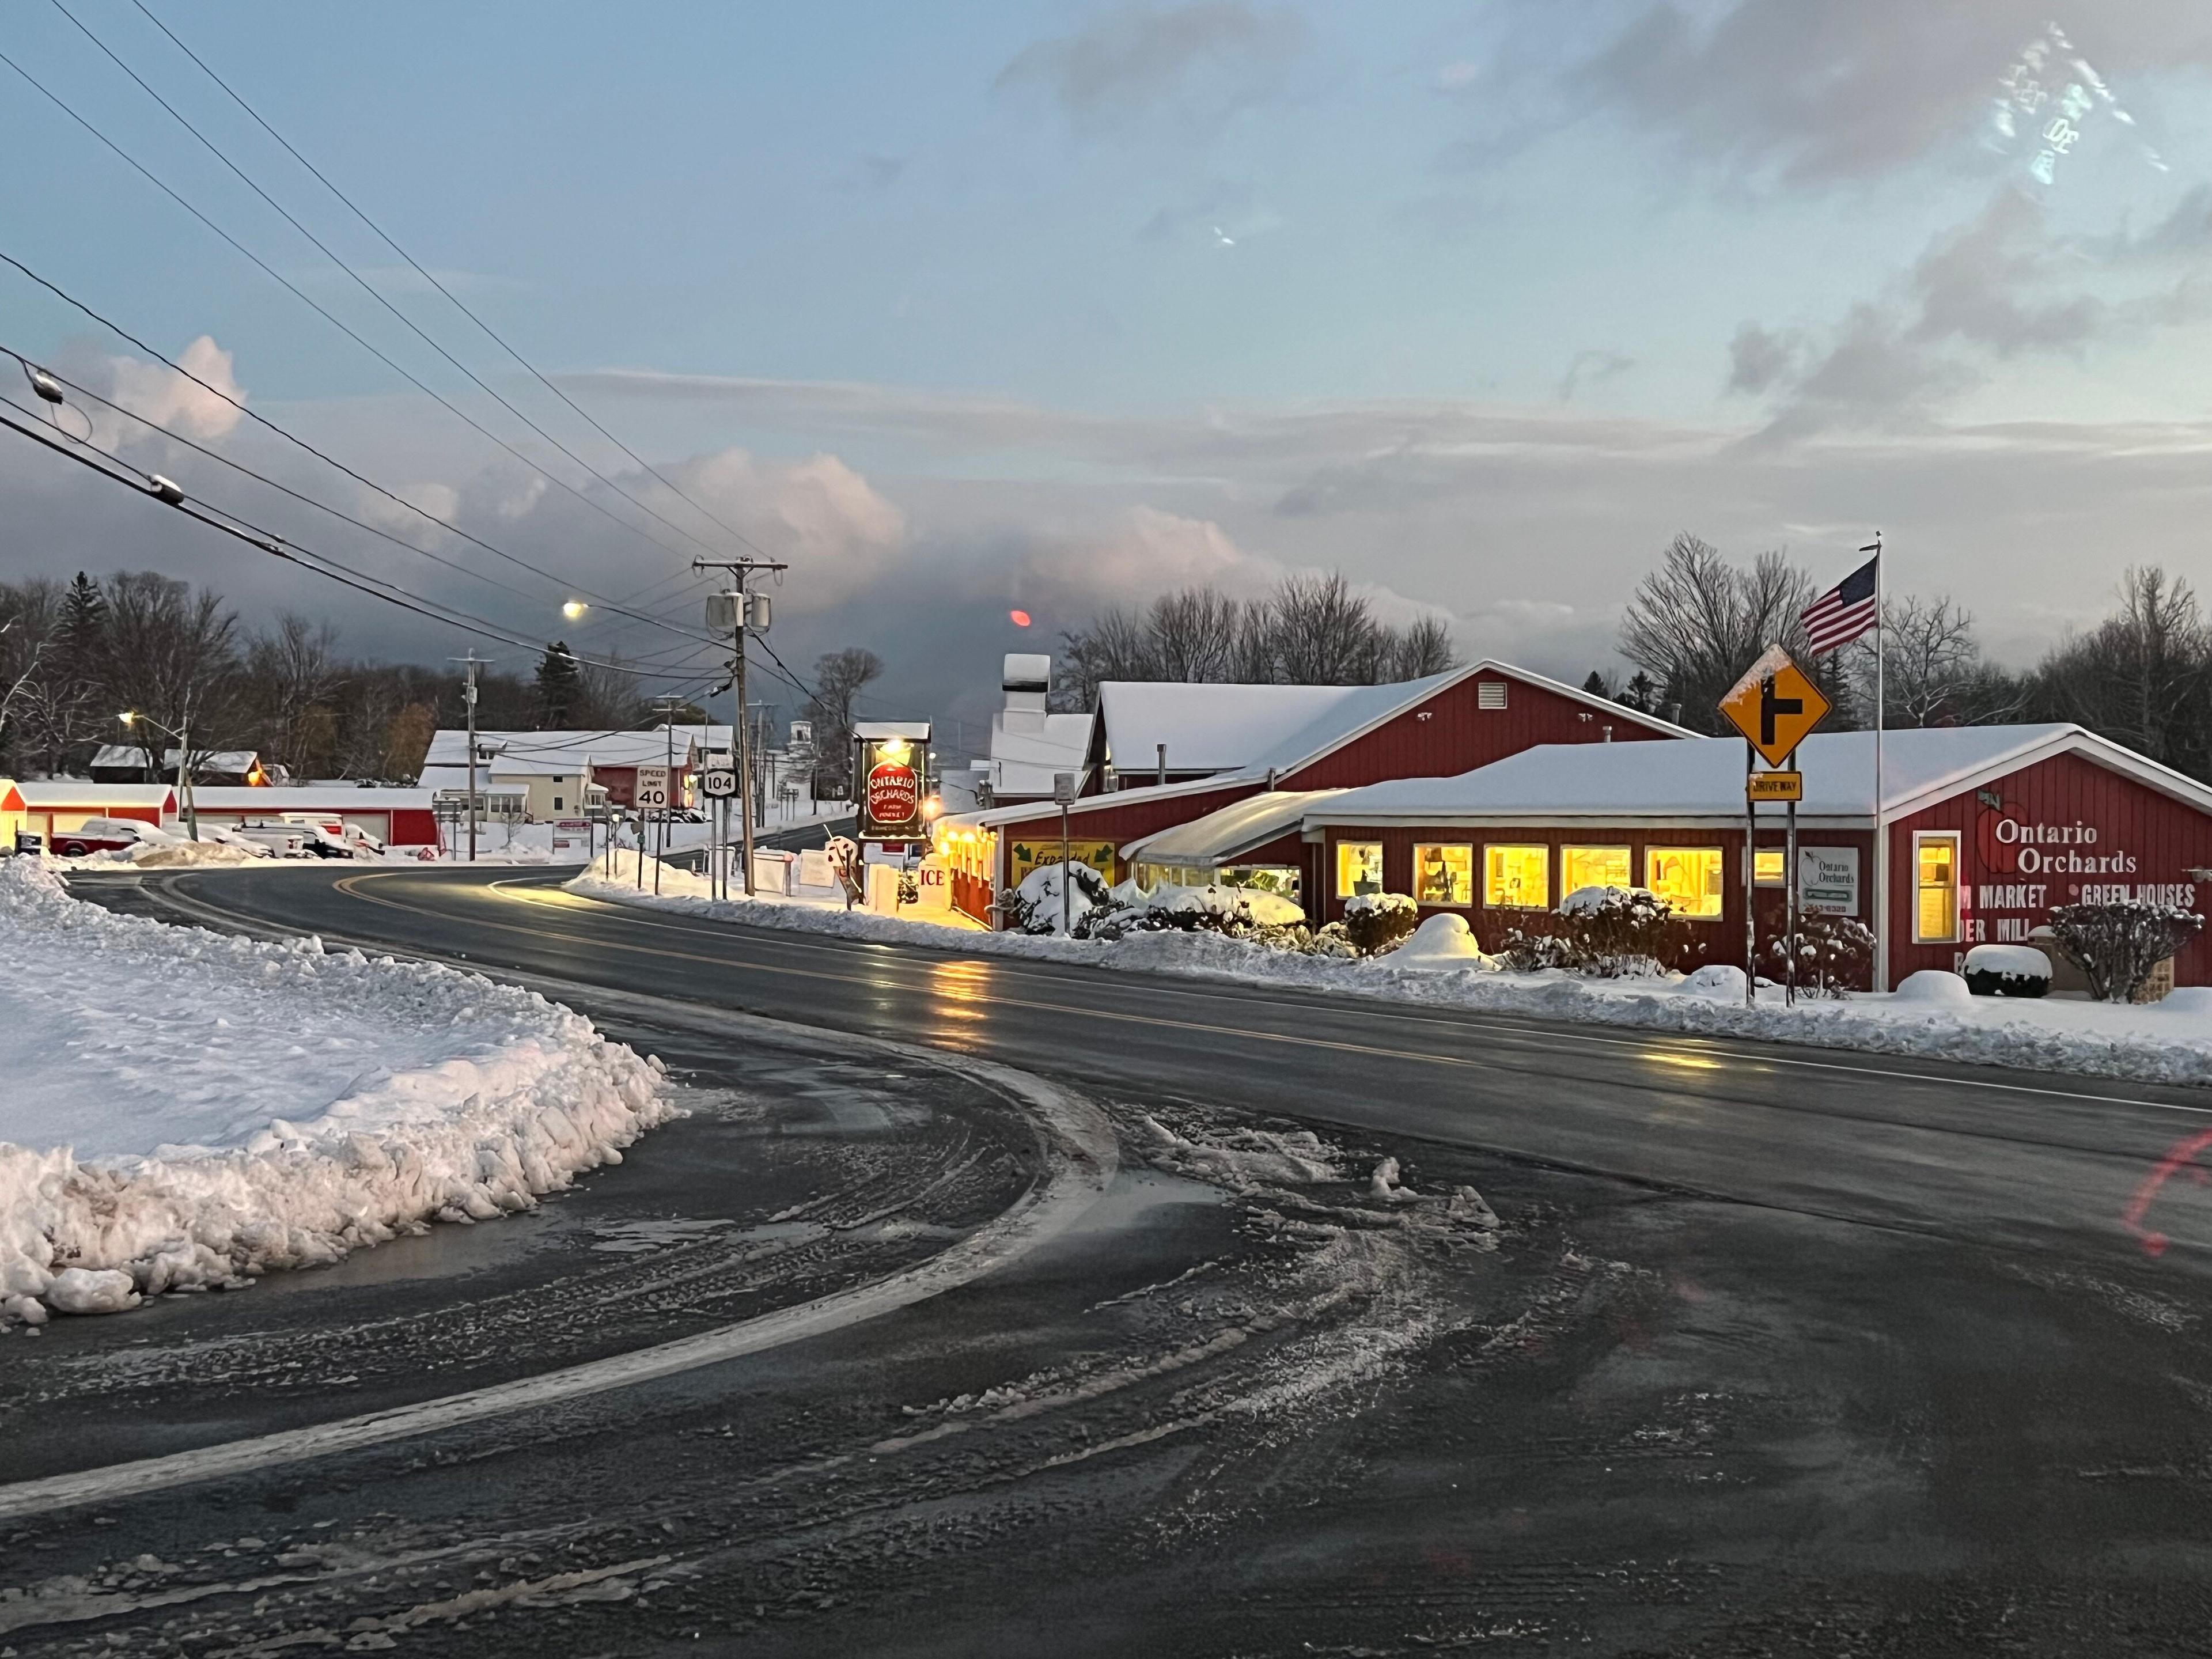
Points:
(1021, 618)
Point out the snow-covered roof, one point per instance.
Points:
(878, 731)
(541, 754)
(1703, 778)
(1206, 727)
(1027, 748)
(1045, 809)
(120, 755)
(1222, 835)
(44, 794)
(308, 798)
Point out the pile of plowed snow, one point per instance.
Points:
(183, 1109)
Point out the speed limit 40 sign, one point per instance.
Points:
(651, 789)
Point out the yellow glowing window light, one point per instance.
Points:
(1519, 877)
(1358, 868)
(1766, 867)
(1592, 867)
(1688, 877)
(1936, 860)
(1444, 874)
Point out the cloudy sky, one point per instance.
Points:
(966, 309)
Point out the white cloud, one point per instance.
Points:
(157, 394)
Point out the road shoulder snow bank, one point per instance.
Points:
(186, 1109)
(2168, 1042)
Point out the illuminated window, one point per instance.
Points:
(1592, 867)
(1936, 867)
(1688, 878)
(1518, 878)
(1444, 875)
(1766, 869)
(1358, 868)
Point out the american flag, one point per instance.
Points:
(1844, 612)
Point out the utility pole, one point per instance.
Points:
(734, 611)
(469, 702)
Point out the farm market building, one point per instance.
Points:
(1270, 740)
(1989, 828)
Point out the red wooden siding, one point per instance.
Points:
(2142, 840)
(1459, 735)
(1111, 818)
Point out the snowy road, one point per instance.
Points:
(1763, 1350)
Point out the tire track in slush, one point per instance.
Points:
(1080, 1159)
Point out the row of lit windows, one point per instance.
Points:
(1518, 877)
(1690, 878)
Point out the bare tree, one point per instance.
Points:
(2143, 677)
(1422, 648)
(172, 656)
(1698, 622)
(839, 677)
(1194, 635)
(1116, 645)
(1325, 634)
(286, 682)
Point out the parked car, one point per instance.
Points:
(106, 835)
(282, 839)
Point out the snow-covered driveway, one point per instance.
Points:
(182, 1108)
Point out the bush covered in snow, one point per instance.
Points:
(1834, 955)
(2117, 945)
(1374, 922)
(2008, 970)
(1608, 933)
(1035, 906)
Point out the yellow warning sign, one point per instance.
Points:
(1774, 785)
(1776, 706)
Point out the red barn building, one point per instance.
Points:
(1988, 827)
(1268, 740)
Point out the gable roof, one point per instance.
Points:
(556, 753)
(1703, 777)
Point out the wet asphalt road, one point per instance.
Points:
(1765, 1350)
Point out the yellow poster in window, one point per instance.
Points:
(1025, 853)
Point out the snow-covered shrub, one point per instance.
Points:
(1834, 953)
(1376, 921)
(1035, 906)
(2008, 970)
(2117, 945)
(1525, 952)
(1617, 933)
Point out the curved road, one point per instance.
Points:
(1742, 1348)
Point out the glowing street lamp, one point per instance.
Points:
(574, 610)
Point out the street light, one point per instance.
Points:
(574, 610)
(130, 718)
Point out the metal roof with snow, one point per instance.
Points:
(1209, 727)
(1221, 836)
(556, 753)
(1703, 778)
(46, 794)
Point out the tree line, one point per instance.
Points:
(1311, 629)
(2141, 677)
(74, 656)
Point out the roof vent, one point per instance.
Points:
(1490, 694)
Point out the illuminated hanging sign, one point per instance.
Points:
(891, 785)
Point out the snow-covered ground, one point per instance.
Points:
(2168, 1042)
(184, 1109)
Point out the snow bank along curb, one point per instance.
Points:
(1080, 1156)
(2154, 1044)
(506, 1097)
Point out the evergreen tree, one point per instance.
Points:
(80, 640)
(560, 687)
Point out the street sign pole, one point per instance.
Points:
(1789, 901)
(1750, 882)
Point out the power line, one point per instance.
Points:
(266, 541)
(365, 287)
(419, 269)
(293, 289)
(365, 481)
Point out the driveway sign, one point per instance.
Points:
(1775, 705)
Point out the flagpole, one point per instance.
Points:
(1881, 829)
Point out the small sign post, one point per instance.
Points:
(1776, 706)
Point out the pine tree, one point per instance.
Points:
(560, 687)
(80, 640)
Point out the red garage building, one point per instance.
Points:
(1988, 827)
(1281, 739)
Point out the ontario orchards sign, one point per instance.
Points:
(2027, 867)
